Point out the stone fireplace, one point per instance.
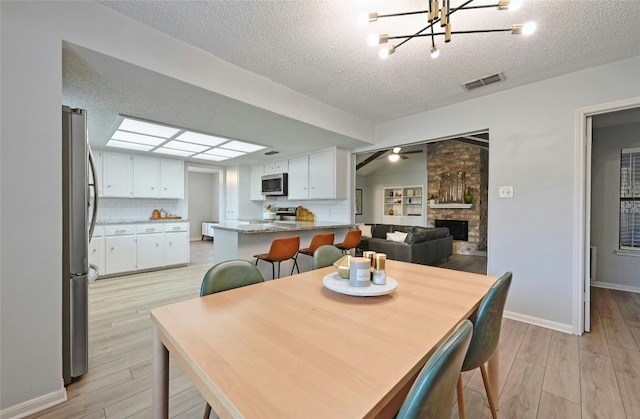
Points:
(456, 156)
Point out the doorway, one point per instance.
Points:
(603, 115)
(203, 186)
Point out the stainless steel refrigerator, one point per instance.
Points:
(77, 229)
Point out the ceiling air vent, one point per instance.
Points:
(271, 153)
(494, 78)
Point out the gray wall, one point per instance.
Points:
(617, 271)
(534, 149)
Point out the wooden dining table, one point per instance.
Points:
(293, 348)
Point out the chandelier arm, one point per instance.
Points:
(417, 12)
(418, 35)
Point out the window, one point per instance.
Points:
(630, 199)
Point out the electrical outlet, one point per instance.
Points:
(505, 192)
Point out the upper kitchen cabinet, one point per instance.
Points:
(171, 178)
(321, 175)
(299, 177)
(118, 175)
(140, 176)
(145, 177)
(280, 166)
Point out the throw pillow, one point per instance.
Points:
(401, 235)
(398, 236)
(366, 230)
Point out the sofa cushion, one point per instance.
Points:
(379, 231)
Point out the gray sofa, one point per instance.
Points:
(423, 245)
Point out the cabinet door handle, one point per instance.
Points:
(120, 231)
(151, 229)
(176, 228)
(113, 248)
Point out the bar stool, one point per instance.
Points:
(281, 249)
(316, 241)
(351, 240)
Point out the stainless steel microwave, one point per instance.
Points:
(275, 184)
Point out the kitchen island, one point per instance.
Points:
(243, 239)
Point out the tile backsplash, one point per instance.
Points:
(336, 210)
(116, 209)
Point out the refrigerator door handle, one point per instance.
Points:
(94, 172)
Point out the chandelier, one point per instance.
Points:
(442, 16)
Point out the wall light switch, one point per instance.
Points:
(505, 192)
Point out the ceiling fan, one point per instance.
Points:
(396, 154)
(383, 153)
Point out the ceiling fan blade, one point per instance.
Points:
(410, 152)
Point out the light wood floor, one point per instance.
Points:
(543, 373)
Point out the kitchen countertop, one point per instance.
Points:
(260, 226)
(161, 220)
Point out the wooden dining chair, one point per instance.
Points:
(434, 390)
(351, 240)
(486, 336)
(226, 276)
(281, 249)
(325, 256)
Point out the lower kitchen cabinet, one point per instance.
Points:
(150, 246)
(134, 247)
(176, 243)
(120, 254)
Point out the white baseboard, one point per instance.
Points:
(35, 405)
(617, 287)
(560, 327)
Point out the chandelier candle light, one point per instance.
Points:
(442, 15)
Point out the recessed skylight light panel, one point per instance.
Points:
(197, 138)
(137, 138)
(218, 151)
(173, 152)
(180, 145)
(242, 146)
(148, 128)
(130, 146)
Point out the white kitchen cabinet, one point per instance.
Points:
(280, 166)
(256, 182)
(145, 176)
(176, 243)
(171, 178)
(118, 174)
(299, 177)
(96, 249)
(120, 249)
(322, 168)
(321, 175)
(150, 245)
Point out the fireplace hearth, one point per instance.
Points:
(459, 229)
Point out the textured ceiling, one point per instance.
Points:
(317, 49)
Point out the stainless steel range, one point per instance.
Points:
(286, 213)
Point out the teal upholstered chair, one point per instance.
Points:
(486, 335)
(226, 276)
(434, 391)
(325, 256)
(229, 275)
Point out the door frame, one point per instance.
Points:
(582, 200)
